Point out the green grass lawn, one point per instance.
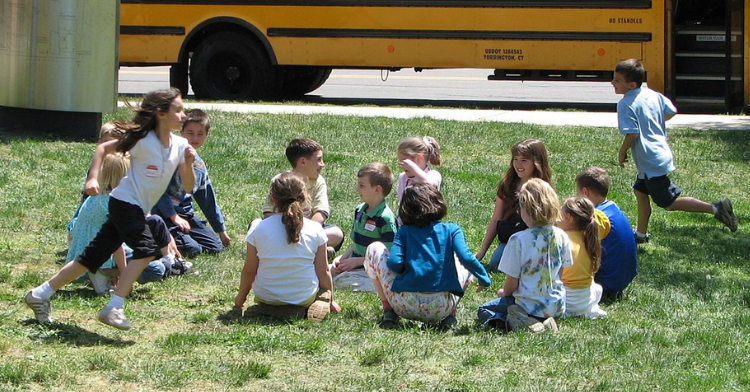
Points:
(682, 326)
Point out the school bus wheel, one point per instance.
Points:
(231, 66)
(300, 80)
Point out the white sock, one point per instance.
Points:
(639, 234)
(715, 209)
(116, 301)
(43, 292)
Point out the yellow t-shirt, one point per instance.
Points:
(579, 275)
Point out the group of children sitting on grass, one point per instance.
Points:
(558, 261)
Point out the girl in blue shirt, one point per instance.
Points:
(429, 265)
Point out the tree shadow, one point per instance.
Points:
(73, 335)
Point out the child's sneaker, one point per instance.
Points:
(389, 320)
(448, 323)
(114, 317)
(102, 283)
(182, 267)
(550, 325)
(641, 239)
(319, 309)
(519, 319)
(725, 215)
(40, 307)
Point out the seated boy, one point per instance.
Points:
(619, 258)
(176, 207)
(306, 157)
(373, 222)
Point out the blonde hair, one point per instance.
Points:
(114, 167)
(427, 146)
(539, 200)
(582, 211)
(109, 131)
(289, 194)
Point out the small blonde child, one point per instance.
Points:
(533, 293)
(415, 155)
(92, 215)
(582, 295)
(528, 160)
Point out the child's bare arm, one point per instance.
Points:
(510, 287)
(102, 150)
(628, 142)
(249, 272)
(187, 175)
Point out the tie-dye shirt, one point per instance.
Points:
(536, 257)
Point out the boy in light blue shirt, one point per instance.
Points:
(641, 117)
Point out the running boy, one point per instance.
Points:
(641, 115)
(306, 157)
(176, 207)
(619, 260)
(373, 222)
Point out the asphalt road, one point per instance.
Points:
(437, 88)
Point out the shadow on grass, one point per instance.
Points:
(234, 316)
(697, 254)
(15, 134)
(73, 335)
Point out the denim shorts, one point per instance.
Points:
(662, 191)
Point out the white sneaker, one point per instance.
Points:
(40, 307)
(595, 313)
(114, 317)
(102, 284)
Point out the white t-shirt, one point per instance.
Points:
(151, 169)
(536, 257)
(286, 272)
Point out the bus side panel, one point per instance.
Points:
(401, 53)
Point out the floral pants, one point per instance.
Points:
(421, 306)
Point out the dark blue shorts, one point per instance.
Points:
(662, 191)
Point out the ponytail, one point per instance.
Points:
(288, 194)
(583, 213)
(427, 146)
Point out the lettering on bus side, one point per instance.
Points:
(503, 54)
(626, 20)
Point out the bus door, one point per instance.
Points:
(708, 53)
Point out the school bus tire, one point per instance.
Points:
(178, 77)
(231, 66)
(300, 80)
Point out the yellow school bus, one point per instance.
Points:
(695, 51)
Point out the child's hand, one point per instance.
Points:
(408, 165)
(501, 293)
(623, 157)
(181, 224)
(239, 301)
(189, 155)
(344, 265)
(226, 240)
(92, 187)
(479, 255)
(479, 287)
(335, 308)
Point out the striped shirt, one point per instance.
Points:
(376, 225)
